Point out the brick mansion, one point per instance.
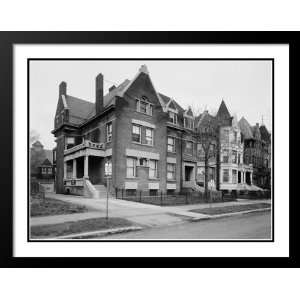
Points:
(151, 143)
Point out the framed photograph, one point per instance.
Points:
(148, 149)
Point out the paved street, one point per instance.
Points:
(248, 226)
(138, 213)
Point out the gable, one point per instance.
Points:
(171, 105)
(46, 162)
(142, 86)
(167, 99)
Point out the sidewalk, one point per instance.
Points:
(143, 214)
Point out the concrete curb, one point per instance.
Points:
(100, 232)
(209, 217)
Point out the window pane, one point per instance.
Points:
(143, 107)
(171, 171)
(171, 144)
(131, 164)
(149, 136)
(234, 176)
(136, 133)
(225, 175)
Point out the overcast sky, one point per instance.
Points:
(245, 86)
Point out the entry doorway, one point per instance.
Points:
(239, 177)
(248, 178)
(188, 173)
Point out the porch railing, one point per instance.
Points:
(85, 144)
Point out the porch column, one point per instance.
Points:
(243, 180)
(65, 170)
(251, 178)
(86, 166)
(74, 168)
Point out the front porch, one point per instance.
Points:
(84, 166)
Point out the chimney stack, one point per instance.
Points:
(99, 93)
(62, 88)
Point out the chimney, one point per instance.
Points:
(112, 88)
(62, 88)
(99, 94)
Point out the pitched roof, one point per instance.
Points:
(49, 155)
(79, 110)
(205, 119)
(166, 100)
(265, 135)
(256, 132)
(109, 98)
(245, 128)
(223, 112)
(46, 162)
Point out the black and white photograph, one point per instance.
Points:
(150, 149)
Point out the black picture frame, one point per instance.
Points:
(8, 39)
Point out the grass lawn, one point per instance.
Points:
(55, 230)
(50, 207)
(230, 209)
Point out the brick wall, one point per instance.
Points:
(122, 131)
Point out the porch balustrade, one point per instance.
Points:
(85, 144)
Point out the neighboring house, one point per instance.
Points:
(41, 167)
(234, 174)
(146, 137)
(257, 141)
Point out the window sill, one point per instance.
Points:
(140, 112)
(130, 177)
(137, 143)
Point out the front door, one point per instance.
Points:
(188, 171)
(239, 177)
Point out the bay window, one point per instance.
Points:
(234, 176)
(225, 156)
(225, 175)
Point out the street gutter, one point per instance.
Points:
(229, 214)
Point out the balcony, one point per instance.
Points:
(86, 144)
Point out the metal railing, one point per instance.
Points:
(162, 198)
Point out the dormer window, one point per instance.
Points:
(188, 123)
(173, 117)
(144, 106)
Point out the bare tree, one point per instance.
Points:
(207, 135)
